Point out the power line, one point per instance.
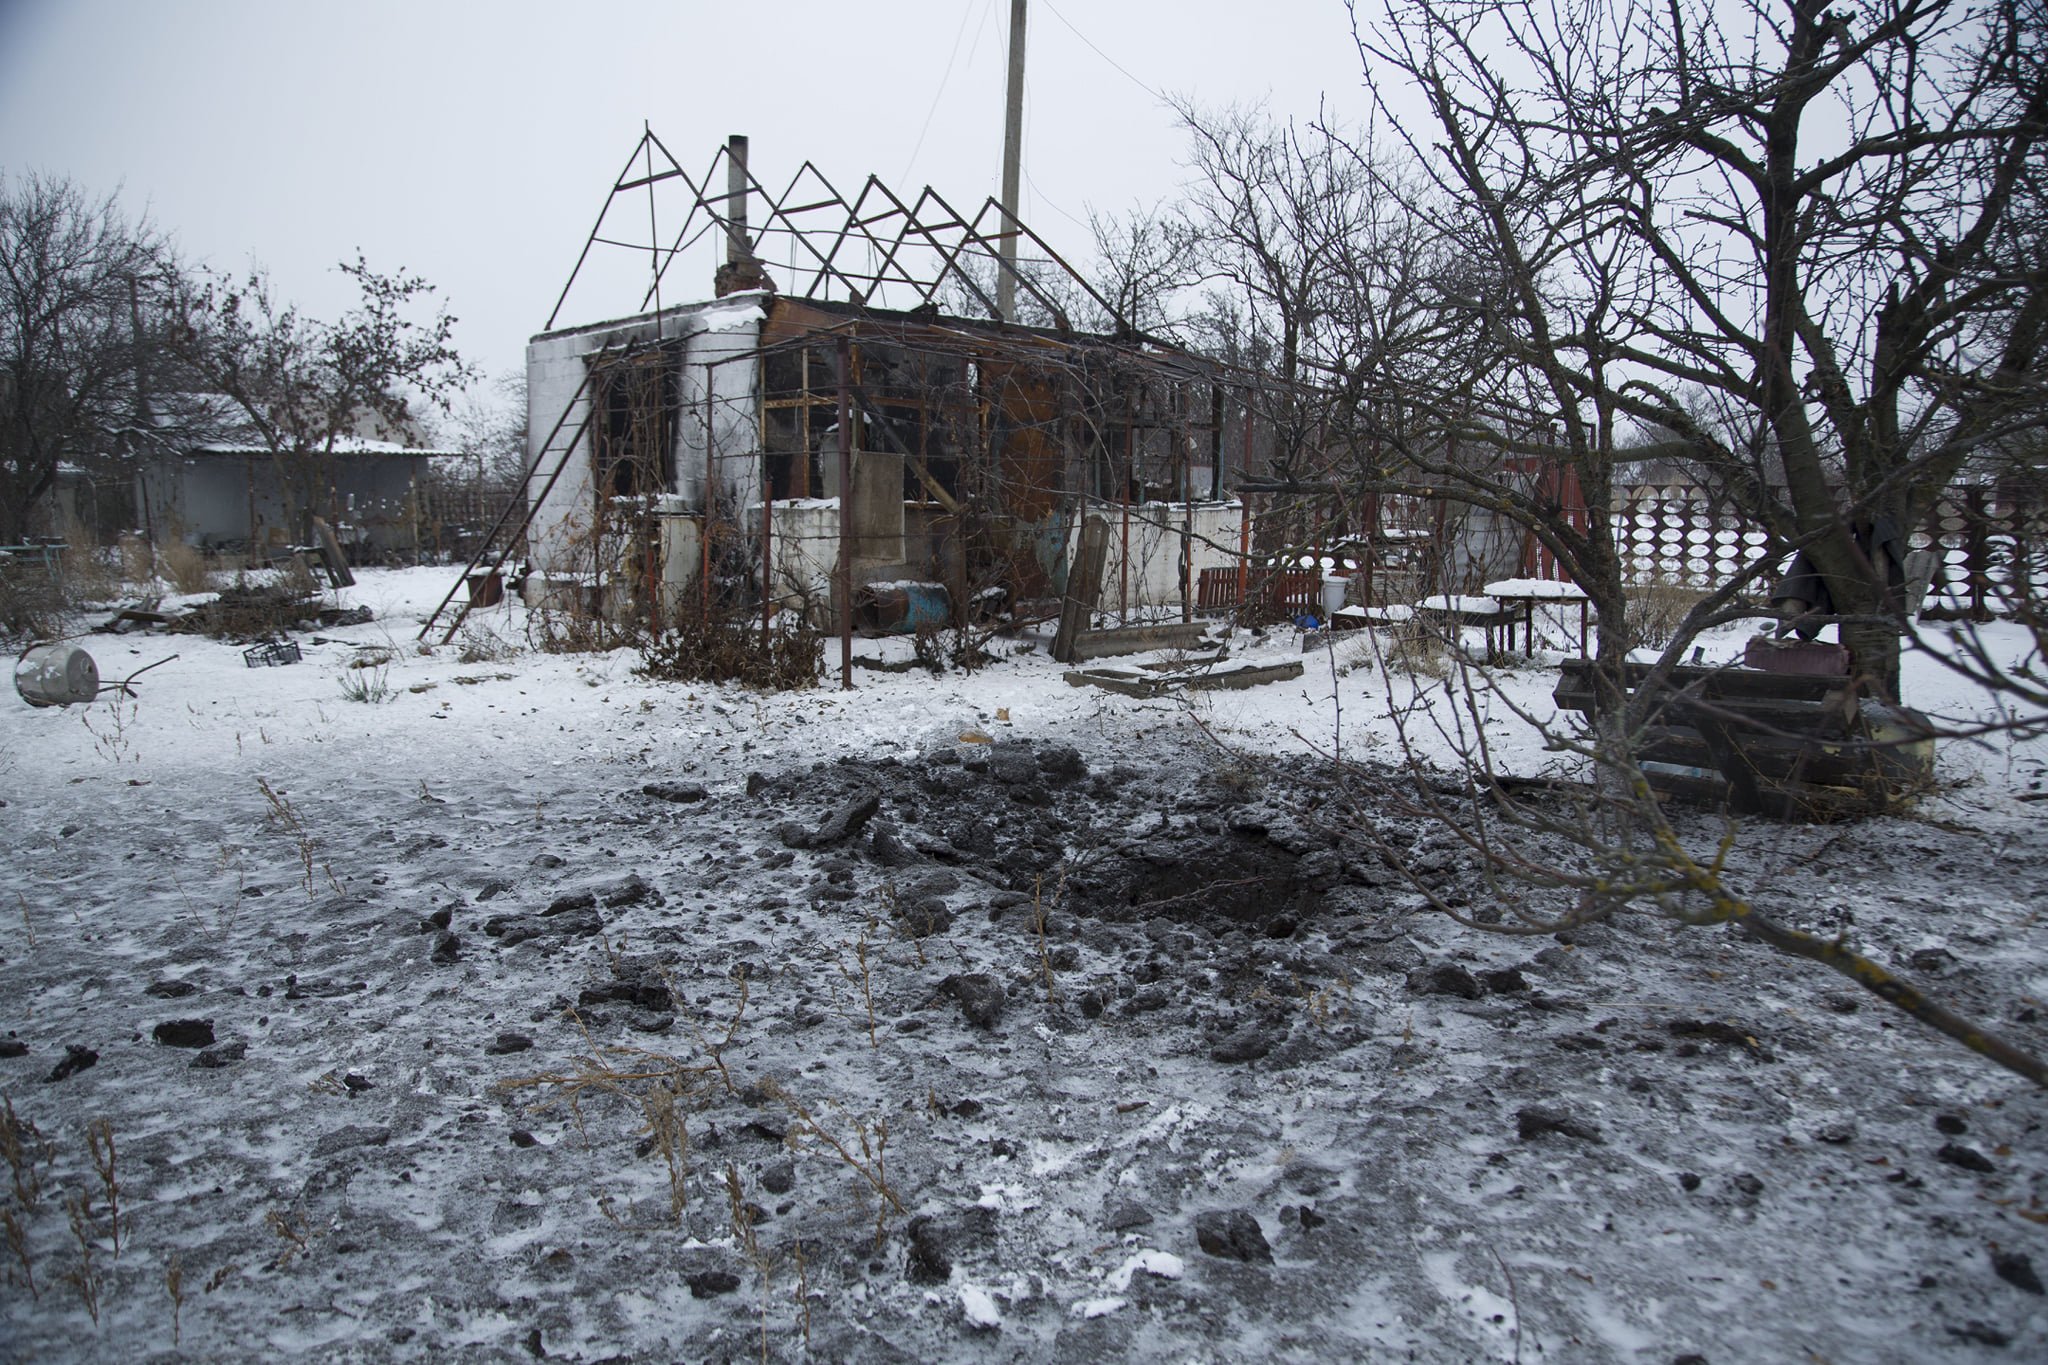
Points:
(938, 94)
(1100, 53)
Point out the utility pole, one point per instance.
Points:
(1013, 151)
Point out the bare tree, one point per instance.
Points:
(1666, 213)
(488, 423)
(1143, 268)
(1269, 221)
(303, 387)
(1829, 326)
(79, 292)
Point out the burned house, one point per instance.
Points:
(855, 427)
(749, 453)
(724, 450)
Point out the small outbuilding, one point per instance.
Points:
(248, 499)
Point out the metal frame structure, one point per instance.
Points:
(877, 248)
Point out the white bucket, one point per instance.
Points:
(56, 675)
(1334, 589)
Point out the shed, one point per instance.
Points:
(249, 499)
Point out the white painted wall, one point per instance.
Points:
(806, 548)
(556, 363)
(806, 543)
(1156, 529)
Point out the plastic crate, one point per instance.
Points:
(272, 654)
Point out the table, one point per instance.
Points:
(1525, 593)
(1457, 610)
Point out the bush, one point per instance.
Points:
(91, 574)
(31, 604)
(482, 645)
(785, 659)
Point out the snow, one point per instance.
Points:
(728, 319)
(1543, 588)
(254, 834)
(1461, 602)
(979, 1307)
(342, 445)
(1164, 1264)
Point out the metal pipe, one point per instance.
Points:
(1123, 566)
(1244, 514)
(709, 501)
(842, 580)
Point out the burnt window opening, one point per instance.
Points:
(944, 471)
(634, 425)
(791, 430)
(799, 415)
(794, 474)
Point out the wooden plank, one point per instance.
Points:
(1084, 587)
(1773, 759)
(1097, 644)
(1133, 684)
(1576, 682)
(331, 555)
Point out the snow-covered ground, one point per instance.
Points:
(548, 1015)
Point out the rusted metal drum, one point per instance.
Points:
(56, 675)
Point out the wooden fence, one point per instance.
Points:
(1274, 596)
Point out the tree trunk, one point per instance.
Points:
(1874, 658)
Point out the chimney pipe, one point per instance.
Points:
(738, 248)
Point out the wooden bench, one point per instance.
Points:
(1792, 746)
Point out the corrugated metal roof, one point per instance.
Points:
(350, 446)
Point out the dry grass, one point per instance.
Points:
(870, 1162)
(482, 645)
(1413, 649)
(1656, 610)
(864, 978)
(285, 819)
(91, 574)
(138, 560)
(31, 603)
(85, 1277)
(174, 1285)
(187, 568)
(26, 1152)
(99, 1140)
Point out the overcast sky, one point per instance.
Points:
(474, 142)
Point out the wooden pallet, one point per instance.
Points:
(1786, 745)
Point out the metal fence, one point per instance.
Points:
(1684, 542)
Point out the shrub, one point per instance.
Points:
(31, 606)
(783, 659)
